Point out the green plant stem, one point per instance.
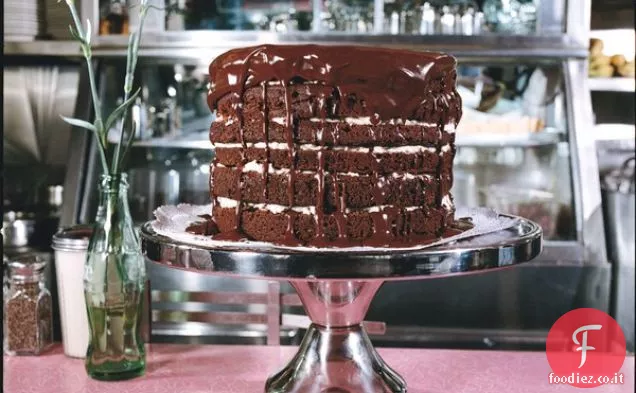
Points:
(99, 128)
(91, 73)
(100, 133)
(131, 65)
(97, 107)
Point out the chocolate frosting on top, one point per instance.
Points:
(393, 83)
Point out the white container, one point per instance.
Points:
(71, 245)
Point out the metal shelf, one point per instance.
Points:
(57, 48)
(626, 85)
(205, 45)
(195, 140)
(523, 140)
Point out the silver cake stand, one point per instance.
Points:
(336, 288)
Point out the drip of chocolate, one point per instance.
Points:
(207, 227)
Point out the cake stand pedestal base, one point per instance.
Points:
(336, 360)
(336, 355)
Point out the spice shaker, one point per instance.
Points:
(28, 308)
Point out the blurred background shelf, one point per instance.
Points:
(194, 140)
(56, 48)
(203, 44)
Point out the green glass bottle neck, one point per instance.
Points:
(113, 184)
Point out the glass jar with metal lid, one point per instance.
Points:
(27, 307)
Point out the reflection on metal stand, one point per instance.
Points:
(619, 203)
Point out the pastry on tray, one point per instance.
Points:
(333, 146)
(601, 66)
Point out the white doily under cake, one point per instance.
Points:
(171, 221)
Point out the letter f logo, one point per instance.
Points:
(583, 344)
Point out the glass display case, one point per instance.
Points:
(524, 142)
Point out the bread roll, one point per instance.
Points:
(596, 47)
(601, 71)
(598, 61)
(626, 70)
(618, 60)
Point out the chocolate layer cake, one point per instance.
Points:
(333, 146)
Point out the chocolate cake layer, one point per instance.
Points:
(331, 132)
(410, 159)
(354, 191)
(308, 101)
(333, 146)
(352, 229)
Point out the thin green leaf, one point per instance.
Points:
(88, 31)
(75, 34)
(119, 110)
(79, 123)
(131, 136)
(130, 49)
(154, 7)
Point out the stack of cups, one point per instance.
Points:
(71, 245)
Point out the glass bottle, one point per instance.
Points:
(28, 319)
(114, 281)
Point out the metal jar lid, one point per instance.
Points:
(26, 266)
(72, 238)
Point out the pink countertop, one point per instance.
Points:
(243, 369)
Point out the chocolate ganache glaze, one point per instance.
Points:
(394, 83)
(332, 146)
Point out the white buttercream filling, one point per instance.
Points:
(277, 209)
(362, 121)
(309, 146)
(377, 209)
(258, 145)
(226, 202)
(254, 166)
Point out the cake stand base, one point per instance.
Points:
(336, 360)
(336, 355)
